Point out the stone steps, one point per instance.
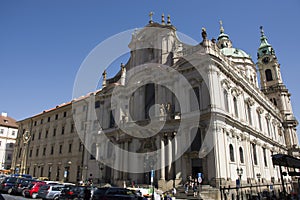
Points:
(207, 193)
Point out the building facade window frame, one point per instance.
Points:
(231, 153)
(44, 151)
(226, 100)
(235, 106)
(249, 113)
(37, 152)
(254, 152)
(60, 149)
(265, 157)
(241, 152)
(269, 76)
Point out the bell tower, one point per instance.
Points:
(273, 87)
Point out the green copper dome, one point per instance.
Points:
(234, 52)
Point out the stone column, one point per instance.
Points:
(162, 157)
(97, 156)
(178, 161)
(170, 156)
(126, 161)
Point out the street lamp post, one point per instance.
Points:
(258, 175)
(239, 173)
(100, 170)
(272, 188)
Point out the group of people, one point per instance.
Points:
(193, 184)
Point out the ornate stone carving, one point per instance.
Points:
(260, 110)
(249, 101)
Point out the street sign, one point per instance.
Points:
(152, 176)
(199, 177)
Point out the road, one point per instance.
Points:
(12, 197)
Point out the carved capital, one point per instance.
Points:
(249, 101)
(260, 110)
(226, 84)
(236, 91)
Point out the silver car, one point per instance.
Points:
(50, 191)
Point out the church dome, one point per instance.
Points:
(234, 52)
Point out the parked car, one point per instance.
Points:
(7, 183)
(115, 193)
(20, 185)
(72, 192)
(33, 189)
(50, 191)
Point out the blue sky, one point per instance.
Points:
(43, 43)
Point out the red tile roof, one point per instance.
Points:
(8, 122)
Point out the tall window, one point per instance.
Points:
(196, 144)
(54, 131)
(268, 126)
(93, 152)
(63, 130)
(226, 101)
(254, 154)
(42, 171)
(241, 155)
(274, 131)
(60, 149)
(34, 171)
(268, 73)
(195, 105)
(70, 147)
(37, 152)
(231, 152)
(58, 173)
(112, 119)
(44, 151)
(72, 128)
(259, 121)
(149, 98)
(20, 152)
(249, 114)
(265, 157)
(52, 150)
(97, 104)
(236, 112)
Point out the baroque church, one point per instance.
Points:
(175, 110)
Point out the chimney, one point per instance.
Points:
(4, 114)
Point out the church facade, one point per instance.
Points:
(218, 119)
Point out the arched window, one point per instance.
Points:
(226, 100)
(241, 155)
(268, 73)
(235, 107)
(231, 152)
